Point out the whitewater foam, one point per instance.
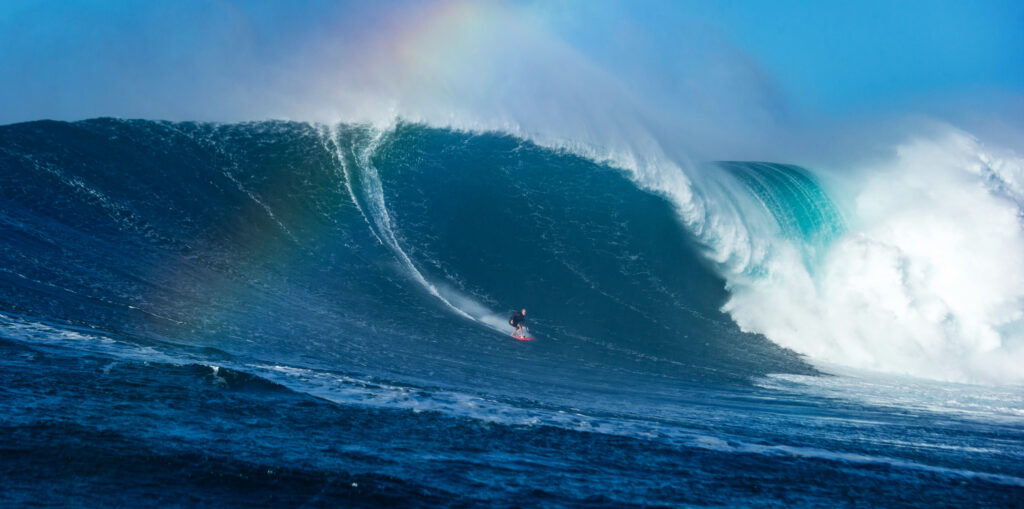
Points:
(929, 280)
(906, 394)
(333, 135)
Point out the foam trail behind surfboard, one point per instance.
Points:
(372, 188)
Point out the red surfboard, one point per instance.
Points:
(528, 338)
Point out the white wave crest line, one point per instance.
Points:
(333, 133)
(79, 339)
(354, 391)
(121, 214)
(91, 297)
(383, 219)
(809, 452)
(213, 144)
(594, 286)
(256, 199)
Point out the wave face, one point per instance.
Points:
(357, 246)
(349, 246)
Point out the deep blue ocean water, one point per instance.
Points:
(288, 314)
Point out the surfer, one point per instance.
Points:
(517, 322)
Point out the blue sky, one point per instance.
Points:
(835, 55)
(846, 54)
(193, 58)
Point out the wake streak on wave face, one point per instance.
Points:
(379, 221)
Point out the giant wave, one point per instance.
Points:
(365, 246)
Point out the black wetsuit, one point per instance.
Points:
(517, 319)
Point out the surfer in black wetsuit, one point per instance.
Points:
(517, 322)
